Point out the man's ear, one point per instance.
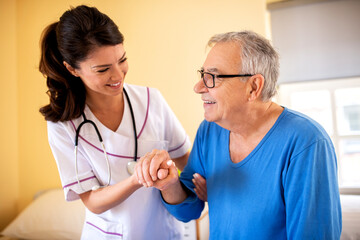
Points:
(70, 69)
(256, 86)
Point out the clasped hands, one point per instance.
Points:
(156, 169)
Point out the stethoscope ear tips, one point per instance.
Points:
(96, 187)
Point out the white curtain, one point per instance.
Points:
(316, 39)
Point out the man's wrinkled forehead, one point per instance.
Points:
(223, 56)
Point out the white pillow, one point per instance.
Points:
(49, 216)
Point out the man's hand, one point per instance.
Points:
(156, 169)
(200, 186)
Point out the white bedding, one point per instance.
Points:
(49, 216)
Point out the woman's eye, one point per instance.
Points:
(103, 70)
(123, 60)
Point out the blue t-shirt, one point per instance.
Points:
(286, 188)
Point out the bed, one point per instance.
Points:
(49, 216)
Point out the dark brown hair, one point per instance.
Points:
(71, 39)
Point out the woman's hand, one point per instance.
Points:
(156, 169)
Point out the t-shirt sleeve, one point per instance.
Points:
(61, 139)
(192, 207)
(179, 142)
(311, 193)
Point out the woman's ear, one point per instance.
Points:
(70, 69)
(256, 86)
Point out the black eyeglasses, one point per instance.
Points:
(209, 78)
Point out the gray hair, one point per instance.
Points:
(257, 55)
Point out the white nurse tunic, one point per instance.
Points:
(142, 215)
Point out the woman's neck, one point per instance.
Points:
(108, 110)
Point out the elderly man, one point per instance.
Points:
(271, 172)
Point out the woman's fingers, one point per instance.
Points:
(152, 167)
(142, 172)
(158, 162)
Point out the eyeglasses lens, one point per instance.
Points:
(207, 78)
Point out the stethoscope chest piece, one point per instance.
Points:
(131, 167)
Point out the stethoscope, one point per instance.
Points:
(130, 165)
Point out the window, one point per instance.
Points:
(335, 104)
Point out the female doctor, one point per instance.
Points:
(98, 127)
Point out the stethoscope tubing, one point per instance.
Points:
(134, 125)
(101, 142)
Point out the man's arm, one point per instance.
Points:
(172, 190)
(311, 194)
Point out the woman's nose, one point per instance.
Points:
(118, 73)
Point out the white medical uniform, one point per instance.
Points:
(142, 215)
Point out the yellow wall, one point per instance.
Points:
(165, 43)
(9, 178)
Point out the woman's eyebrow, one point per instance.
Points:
(108, 65)
(123, 56)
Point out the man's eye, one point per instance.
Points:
(123, 60)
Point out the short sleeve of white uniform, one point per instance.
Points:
(61, 137)
(174, 132)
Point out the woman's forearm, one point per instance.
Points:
(103, 199)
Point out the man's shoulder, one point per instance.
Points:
(301, 126)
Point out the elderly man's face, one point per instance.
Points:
(226, 100)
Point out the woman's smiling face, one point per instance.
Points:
(103, 71)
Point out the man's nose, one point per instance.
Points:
(200, 87)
